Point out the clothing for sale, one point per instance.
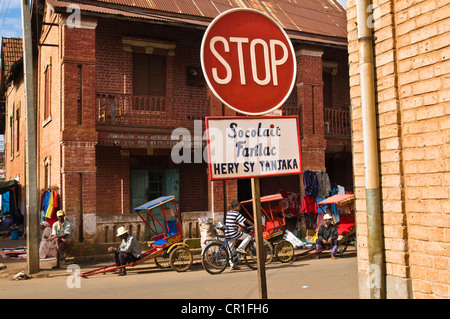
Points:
(323, 208)
(309, 204)
(310, 221)
(319, 221)
(324, 184)
(334, 209)
(49, 206)
(291, 202)
(311, 183)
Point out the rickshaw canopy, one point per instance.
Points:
(339, 199)
(168, 228)
(155, 203)
(265, 199)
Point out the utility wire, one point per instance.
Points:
(6, 13)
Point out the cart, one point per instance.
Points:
(346, 225)
(167, 247)
(275, 223)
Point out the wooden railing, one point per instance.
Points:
(146, 111)
(159, 112)
(336, 122)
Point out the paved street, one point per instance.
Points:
(308, 278)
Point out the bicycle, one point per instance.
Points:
(216, 255)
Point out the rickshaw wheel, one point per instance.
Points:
(180, 259)
(250, 258)
(342, 247)
(163, 261)
(285, 251)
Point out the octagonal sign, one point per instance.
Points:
(248, 61)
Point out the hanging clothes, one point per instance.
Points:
(319, 221)
(309, 204)
(49, 206)
(310, 221)
(291, 202)
(324, 184)
(323, 209)
(311, 183)
(334, 209)
(49, 210)
(44, 201)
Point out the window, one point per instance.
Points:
(18, 128)
(47, 166)
(47, 93)
(149, 75)
(11, 133)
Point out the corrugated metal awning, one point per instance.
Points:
(317, 21)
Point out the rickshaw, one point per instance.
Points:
(275, 224)
(167, 247)
(346, 225)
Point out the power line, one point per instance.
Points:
(6, 13)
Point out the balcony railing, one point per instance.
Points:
(147, 111)
(336, 122)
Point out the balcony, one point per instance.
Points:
(148, 112)
(336, 122)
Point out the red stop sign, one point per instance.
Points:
(248, 61)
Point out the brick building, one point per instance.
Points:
(412, 71)
(114, 80)
(12, 114)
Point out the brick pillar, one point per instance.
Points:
(78, 133)
(310, 99)
(215, 189)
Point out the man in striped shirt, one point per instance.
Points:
(233, 221)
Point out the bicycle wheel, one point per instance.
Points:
(285, 251)
(251, 257)
(180, 259)
(215, 258)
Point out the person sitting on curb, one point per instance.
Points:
(5, 225)
(328, 235)
(61, 236)
(128, 251)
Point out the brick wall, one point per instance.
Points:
(14, 158)
(412, 91)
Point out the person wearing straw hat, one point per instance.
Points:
(328, 235)
(61, 236)
(128, 251)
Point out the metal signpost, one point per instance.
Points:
(249, 64)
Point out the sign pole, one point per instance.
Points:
(260, 253)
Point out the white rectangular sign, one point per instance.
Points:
(245, 147)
